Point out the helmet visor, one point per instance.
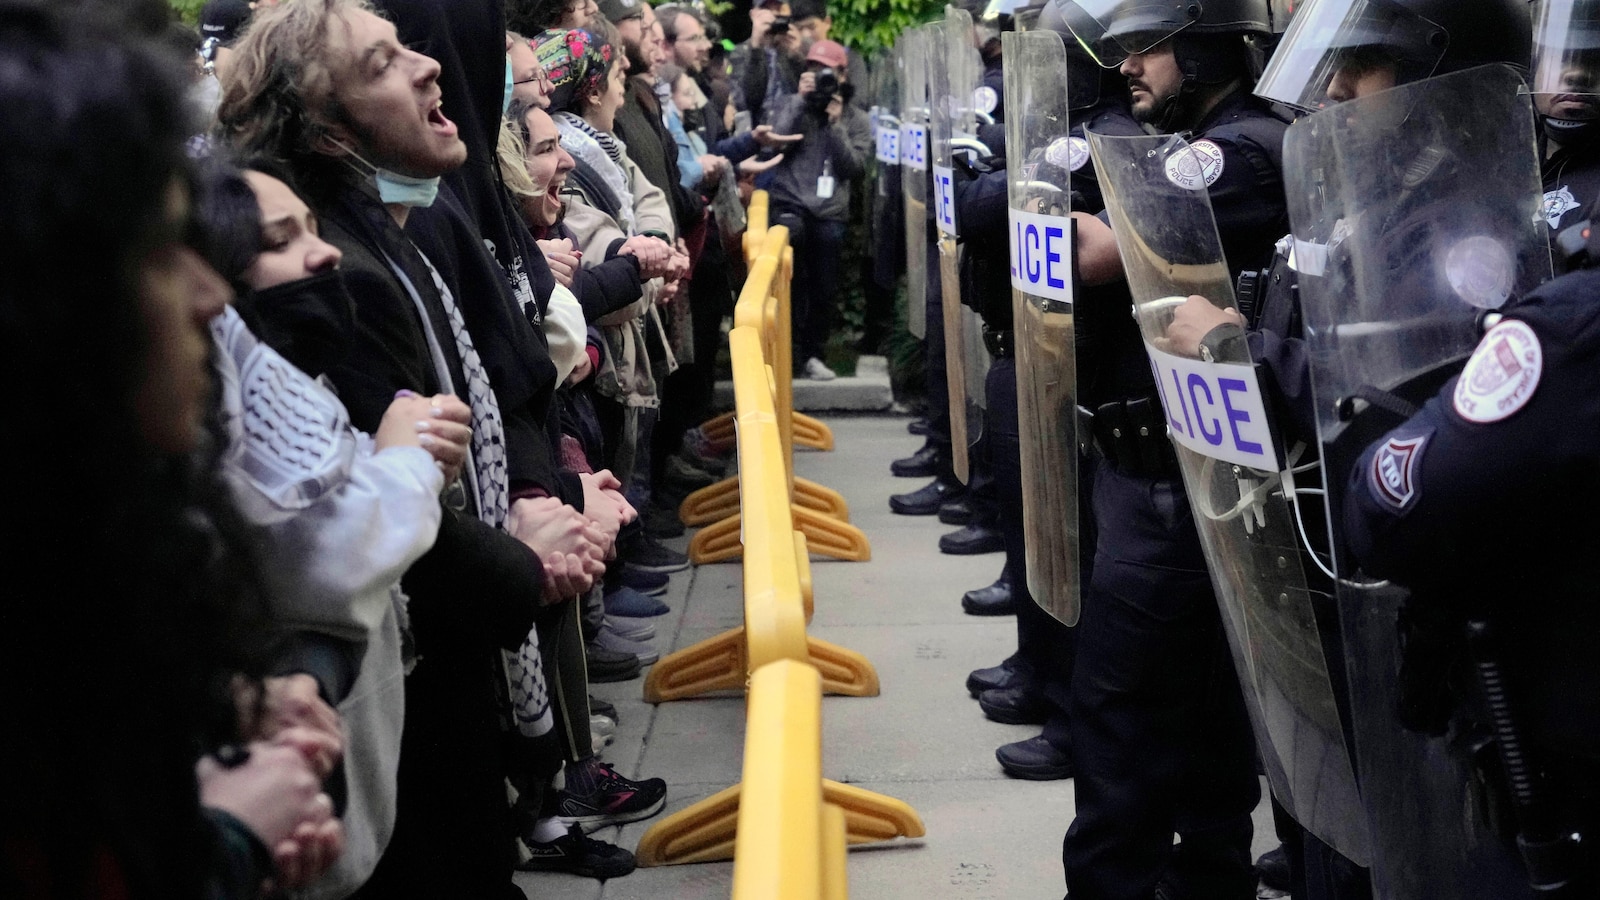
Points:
(1566, 59)
(1113, 30)
(1337, 50)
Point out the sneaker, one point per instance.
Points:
(817, 370)
(651, 583)
(610, 640)
(605, 665)
(662, 523)
(596, 796)
(630, 628)
(631, 604)
(705, 462)
(650, 555)
(578, 854)
(601, 731)
(600, 707)
(678, 471)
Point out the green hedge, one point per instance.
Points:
(868, 26)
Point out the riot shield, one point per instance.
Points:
(1415, 210)
(913, 152)
(888, 204)
(1239, 481)
(1039, 157)
(952, 80)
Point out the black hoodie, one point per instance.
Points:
(473, 236)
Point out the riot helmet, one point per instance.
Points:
(1086, 81)
(1337, 49)
(1113, 30)
(1566, 67)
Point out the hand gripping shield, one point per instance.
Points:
(953, 79)
(1414, 210)
(1040, 157)
(912, 58)
(1239, 480)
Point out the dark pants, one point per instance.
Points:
(937, 383)
(1046, 648)
(687, 395)
(814, 293)
(1161, 743)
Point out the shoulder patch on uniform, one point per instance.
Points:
(1392, 476)
(1078, 152)
(1502, 374)
(1557, 203)
(985, 99)
(1195, 167)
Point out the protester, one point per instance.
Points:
(110, 798)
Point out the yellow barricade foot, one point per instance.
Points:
(843, 671)
(871, 816)
(717, 542)
(827, 501)
(715, 664)
(703, 832)
(831, 537)
(707, 505)
(808, 432)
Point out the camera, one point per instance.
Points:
(825, 89)
(780, 25)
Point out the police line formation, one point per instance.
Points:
(1320, 508)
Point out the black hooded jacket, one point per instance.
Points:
(479, 244)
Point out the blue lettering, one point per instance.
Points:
(1051, 257)
(1028, 248)
(1195, 381)
(1188, 425)
(1235, 416)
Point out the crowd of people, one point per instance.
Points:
(392, 326)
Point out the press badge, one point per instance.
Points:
(825, 181)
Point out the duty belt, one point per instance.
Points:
(1131, 435)
(1001, 344)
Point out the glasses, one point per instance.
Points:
(694, 39)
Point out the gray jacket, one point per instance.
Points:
(845, 146)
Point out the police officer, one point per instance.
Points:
(1161, 741)
(1033, 686)
(1566, 94)
(1350, 65)
(1494, 536)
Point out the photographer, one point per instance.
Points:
(766, 68)
(811, 193)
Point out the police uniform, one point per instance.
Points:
(1571, 182)
(1483, 504)
(1161, 740)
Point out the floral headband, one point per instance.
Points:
(576, 62)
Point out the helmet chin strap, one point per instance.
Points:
(1570, 131)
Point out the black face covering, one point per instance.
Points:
(308, 321)
(693, 119)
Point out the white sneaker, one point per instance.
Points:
(817, 370)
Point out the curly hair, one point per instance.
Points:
(278, 98)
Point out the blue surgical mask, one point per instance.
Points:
(405, 190)
(505, 105)
(392, 186)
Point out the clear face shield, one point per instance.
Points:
(1566, 60)
(1113, 30)
(1338, 50)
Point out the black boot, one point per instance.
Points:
(926, 500)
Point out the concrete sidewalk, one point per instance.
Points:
(922, 741)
